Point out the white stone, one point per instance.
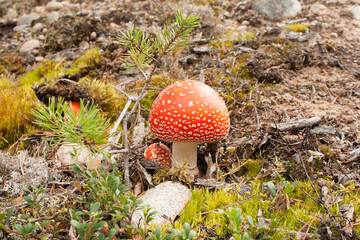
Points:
(277, 9)
(39, 59)
(53, 17)
(21, 28)
(356, 12)
(30, 45)
(53, 6)
(167, 198)
(64, 154)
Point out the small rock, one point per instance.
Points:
(334, 35)
(167, 198)
(21, 28)
(54, 6)
(323, 129)
(27, 19)
(93, 35)
(201, 49)
(84, 45)
(11, 13)
(40, 9)
(53, 17)
(30, 45)
(356, 12)
(114, 26)
(246, 23)
(37, 27)
(64, 157)
(317, 7)
(29, 59)
(41, 37)
(39, 59)
(277, 9)
(244, 50)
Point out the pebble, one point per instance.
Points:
(37, 27)
(21, 28)
(41, 37)
(334, 35)
(27, 19)
(277, 9)
(93, 35)
(246, 23)
(11, 14)
(30, 45)
(84, 45)
(39, 59)
(356, 12)
(53, 17)
(54, 6)
(317, 7)
(40, 9)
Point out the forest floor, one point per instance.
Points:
(292, 91)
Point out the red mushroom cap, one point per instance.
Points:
(160, 153)
(189, 111)
(75, 106)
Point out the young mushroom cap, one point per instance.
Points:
(75, 106)
(160, 153)
(189, 112)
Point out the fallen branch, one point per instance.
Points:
(297, 124)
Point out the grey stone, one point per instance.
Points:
(27, 19)
(30, 45)
(323, 129)
(21, 28)
(53, 17)
(53, 6)
(277, 9)
(84, 45)
(29, 59)
(11, 13)
(37, 27)
(167, 198)
(356, 12)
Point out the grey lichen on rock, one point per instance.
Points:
(34, 172)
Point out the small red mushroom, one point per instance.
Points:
(75, 106)
(186, 113)
(160, 153)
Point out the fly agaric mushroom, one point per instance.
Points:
(187, 113)
(160, 153)
(75, 107)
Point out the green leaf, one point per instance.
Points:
(112, 233)
(250, 220)
(97, 226)
(21, 229)
(8, 215)
(288, 189)
(2, 216)
(272, 188)
(94, 207)
(3, 227)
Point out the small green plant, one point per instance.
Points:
(241, 228)
(35, 201)
(185, 234)
(87, 229)
(87, 128)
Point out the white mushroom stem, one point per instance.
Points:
(185, 153)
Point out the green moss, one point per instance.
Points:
(90, 60)
(16, 102)
(297, 27)
(48, 69)
(107, 98)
